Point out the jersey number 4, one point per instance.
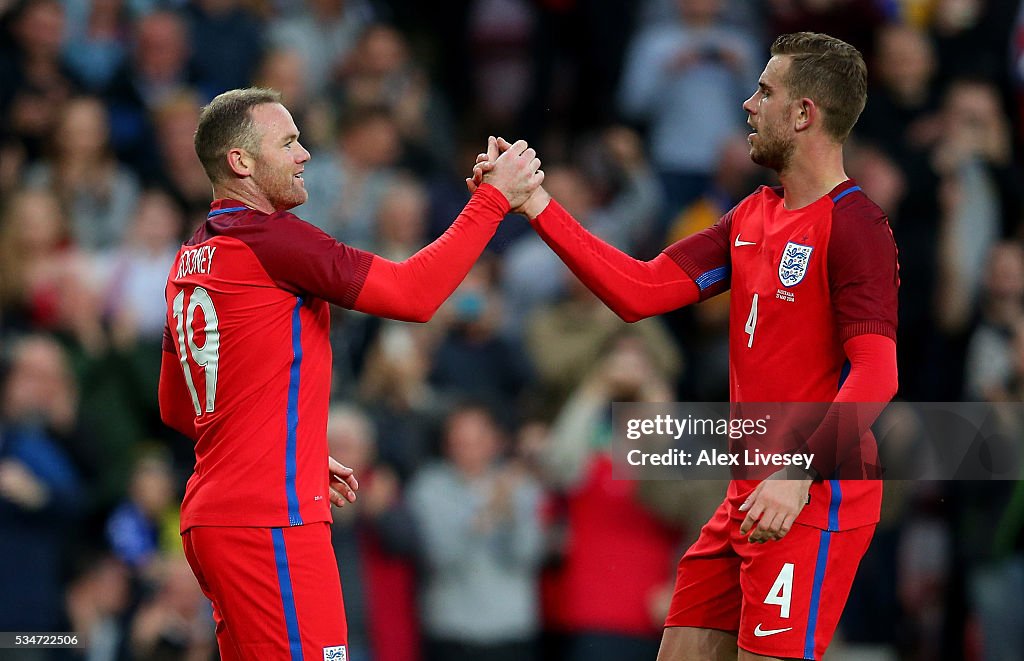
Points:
(207, 356)
(751, 322)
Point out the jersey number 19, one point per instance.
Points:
(206, 356)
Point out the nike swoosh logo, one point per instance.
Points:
(744, 243)
(761, 633)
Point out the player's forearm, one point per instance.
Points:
(632, 288)
(413, 290)
(870, 385)
(173, 398)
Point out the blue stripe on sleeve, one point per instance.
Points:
(714, 276)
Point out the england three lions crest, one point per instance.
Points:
(793, 265)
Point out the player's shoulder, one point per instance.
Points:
(251, 226)
(851, 207)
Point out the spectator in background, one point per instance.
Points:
(403, 405)
(618, 556)
(97, 41)
(901, 119)
(285, 70)
(37, 262)
(853, 21)
(145, 523)
(481, 546)
(497, 53)
(99, 193)
(901, 114)
(402, 218)
(41, 495)
(472, 359)
(181, 174)
(615, 194)
(566, 339)
(683, 79)
(231, 40)
(134, 273)
(374, 543)
(157, 70)
(1016, 73)
(990, 352)
(971, 36)
(34, 82)
(347, 184)
(323, 35)
(978, 195)
(97, 602)
(380, 72)
(173, 622)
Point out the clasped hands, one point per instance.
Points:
(514, 169)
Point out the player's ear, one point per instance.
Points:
(240, 161)
(806, 114)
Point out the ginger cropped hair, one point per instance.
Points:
(225, 123)
(829, 71)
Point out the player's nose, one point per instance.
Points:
(749, 104)
(303, 155)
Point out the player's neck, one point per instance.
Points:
(252, 199)
(812, 176)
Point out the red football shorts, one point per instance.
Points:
(275, 591)
(782, 598)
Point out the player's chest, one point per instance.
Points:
(781, 258)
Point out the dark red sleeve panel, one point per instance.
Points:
(862, 268)
(632, 288)
(175, 402)
(705, 257)
(304, 259)
(414, 289)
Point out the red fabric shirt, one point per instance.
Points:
(803, 282)
(246, 368)
(248, 322)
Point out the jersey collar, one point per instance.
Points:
(224, 206)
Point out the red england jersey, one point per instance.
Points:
(803, 282)
(248, 320)
(246, 369)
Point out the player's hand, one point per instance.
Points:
(484, 164)
(533, 206)
(773, 507)
(515, 171)
(343, 483)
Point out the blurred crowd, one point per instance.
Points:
(488, 524)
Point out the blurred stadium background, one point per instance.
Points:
(488, 521)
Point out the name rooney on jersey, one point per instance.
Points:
(197, 260)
